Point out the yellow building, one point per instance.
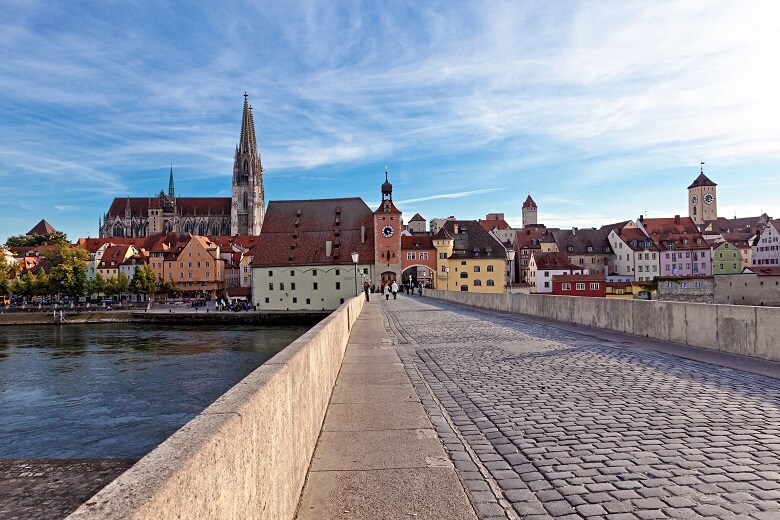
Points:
(468, 258)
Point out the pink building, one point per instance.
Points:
(683, 250)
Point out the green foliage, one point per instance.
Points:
(118, 285)
(69, 270)
(24, 285)
(37, 240)
(143, 281)
(42, 284)
(167, 286)
(97, 285)
(5, 271)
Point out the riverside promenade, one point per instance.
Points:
(540, 420)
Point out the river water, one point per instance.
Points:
(117, 390)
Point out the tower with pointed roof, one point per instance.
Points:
(171, 191)
(247, 202)
(702, 199)
(529, 212)
(387, 237)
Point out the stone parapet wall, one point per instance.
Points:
(746, 330)
(246, 455)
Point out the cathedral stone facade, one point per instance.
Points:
(240, 214)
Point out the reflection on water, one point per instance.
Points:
(117, 390)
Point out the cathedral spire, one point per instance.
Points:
(171, 191)
(248, 208)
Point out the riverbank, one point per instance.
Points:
(172, 316)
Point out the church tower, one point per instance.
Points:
(529, 212)
(247, 208)
(702, 199)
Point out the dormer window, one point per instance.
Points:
(570, 248)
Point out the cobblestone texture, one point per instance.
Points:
(559, 424)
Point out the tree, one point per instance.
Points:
(69, 270)
(97, 285)
(42, 284)
(24, 285)
(143, 281)
(167, 286)
(5, 285)
(55, 238)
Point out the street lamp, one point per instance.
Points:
(447, 272)
(510, 254)
(355, 261)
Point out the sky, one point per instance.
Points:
(602, 111)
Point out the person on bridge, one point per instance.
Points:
(386, 290)
(395, 289)
(365, 289)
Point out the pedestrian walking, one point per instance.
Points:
(394, 288)
(365, 289)
(386, 290)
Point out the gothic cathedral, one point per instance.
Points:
(241, 214)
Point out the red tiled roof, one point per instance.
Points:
(529, 202)
(417, 242)
(295, 233)
(471, 240)
(533, 237)
(555, 260)
(579, 278)
(238, 292)
(488, 225)
(416, 218)
(676, 229)
(765, 270)
(139, 206)
(42, 228)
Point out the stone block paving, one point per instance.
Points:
(543, 422)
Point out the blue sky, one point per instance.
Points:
(601, 110)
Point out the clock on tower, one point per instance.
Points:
(387, 237)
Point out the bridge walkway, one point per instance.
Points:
(547, 420)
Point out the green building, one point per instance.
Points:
(726, 259)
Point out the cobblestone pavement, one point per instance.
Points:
(52, 489)
(542, 422)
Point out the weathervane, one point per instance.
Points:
(702, 167)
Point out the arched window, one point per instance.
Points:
(477, 283)
(202, 229)
(490, 269)
(119, 230)
(188, 227)
(476, 268)
(490, 283)
(246, 201)
(464, 288)
(464, 275)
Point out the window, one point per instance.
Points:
(443, 255)
(271, 286)
(423, 256)
(292, 286)
(489, 269)
(566, 287)
(314, 272)
(308, 301)
(464, 274)
(292, 273)
(594, 286)
(477, 283)
(270, 273)
(443, 269)
(295, 300)
(476, 269)
(314, 286)
(490, 283)
(547, 284)
(207, 274)
(411, 256)
(547, 274)
(338, 286)
(198, 264)
(207, 264)
(683, 285)
(266, 300)
(580, 286)
(281, 287)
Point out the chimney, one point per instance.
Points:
(573, 231)
(328, 247)
(677, 219)
(362, 234)
(641, 218)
